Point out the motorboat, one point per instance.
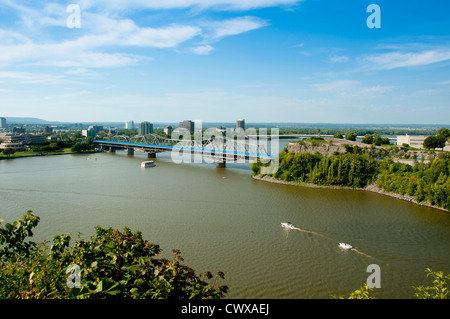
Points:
(288, 225)
(148, 164)
(345, 246)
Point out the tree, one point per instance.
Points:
(338, 135)
(431, 142)
(367, 139)
(111, 264)
(9, 151)
(351, 136)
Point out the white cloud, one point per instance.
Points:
(393, 60)
(339, 59)
(186, 4)
(336, 86)
(235, 26)
(202, 49)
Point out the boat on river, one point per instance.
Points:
(148, 164)
(345, 246)
(288, 225)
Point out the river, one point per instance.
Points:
(222, 219)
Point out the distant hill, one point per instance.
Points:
(25, 120)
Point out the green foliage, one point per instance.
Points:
(358, 168)
(9, 151)
(351, 136)
(82, 147)
(439, 290)
(112, 264)
(351, 170)
(12, 237)
(361, 293)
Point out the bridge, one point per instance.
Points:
(218, 150)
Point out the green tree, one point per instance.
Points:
(367, 139)
(338, 135)
(351, 136)
(9, 151)
(112, 264)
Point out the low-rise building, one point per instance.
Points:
(415, 141)
(14, 146)
(24, 139)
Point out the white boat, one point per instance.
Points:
(288, 225)
(148, 164)
(345, 246)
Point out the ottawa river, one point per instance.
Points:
(222, 219)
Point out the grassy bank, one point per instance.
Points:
(23, 154)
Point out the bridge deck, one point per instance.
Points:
(162, 148)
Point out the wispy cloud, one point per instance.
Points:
(352, 89)
(394, 60)
(186, 4)
(339, 59)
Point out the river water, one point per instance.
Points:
(222, 219)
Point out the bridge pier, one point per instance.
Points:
(151, 155)
(221, 164)
(112, 149)
(130, 151)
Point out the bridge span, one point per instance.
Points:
(219, 151)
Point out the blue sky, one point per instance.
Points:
(303, 61)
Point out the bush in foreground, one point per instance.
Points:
(111, 264)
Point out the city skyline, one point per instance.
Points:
(303, 61)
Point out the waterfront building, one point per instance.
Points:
(187, 124)
(25, 139)
(129, 125)
(240, 124)
(14, 146)
(415, 141)
(145, 128)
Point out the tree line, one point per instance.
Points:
(427, 182)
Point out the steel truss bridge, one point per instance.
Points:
(219, 150)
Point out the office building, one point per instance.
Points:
(168, 130)
(187, 124)
(3, 123)
(129, 125)
(145, 128)
(240, 124)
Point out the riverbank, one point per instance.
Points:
(29, 154)
(369, 188)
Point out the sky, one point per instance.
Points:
(304, 61)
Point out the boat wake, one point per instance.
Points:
(342, 246)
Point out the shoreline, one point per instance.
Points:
(369, 188)
(51, 154)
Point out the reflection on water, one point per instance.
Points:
(222, 219)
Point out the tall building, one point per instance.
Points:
(187, 124)
(129, 125)
(240, 124)
(168, 130)
(3, 123)
(145, 128)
